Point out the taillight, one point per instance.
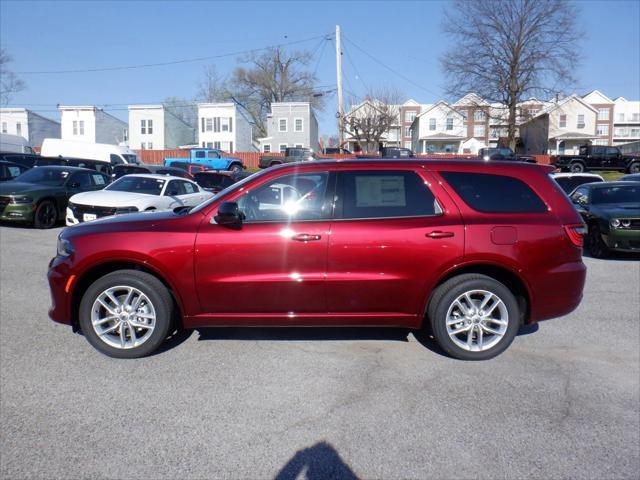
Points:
(576, 233)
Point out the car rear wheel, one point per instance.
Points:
(46, 215)
(126, 314)
(595, 244)
(634, 167)
(576, 167)
(473, 317)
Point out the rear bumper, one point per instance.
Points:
(561, 292)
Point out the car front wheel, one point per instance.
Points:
(473, 317)
(46, 215)
(576, 167)
(634, 167)
(126, 314)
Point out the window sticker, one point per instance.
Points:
(380, 191)
(98, 179)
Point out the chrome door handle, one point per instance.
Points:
(439, 234)
(306, 237)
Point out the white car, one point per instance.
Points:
(135, 193)
(569, 181)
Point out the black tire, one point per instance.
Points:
(576, 167)
(596, 246)
(235, 168)
(634, 167)
(445, 295)
(157, 294)
(46, 215)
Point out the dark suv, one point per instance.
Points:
(471, 250)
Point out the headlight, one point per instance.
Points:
(122, 210)
(626, 223)
(64, 247)
(22, 199)
(615, 223)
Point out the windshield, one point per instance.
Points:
(616, 194)
(236, 186)
(45, 176)
(145, 185)
(131, 158)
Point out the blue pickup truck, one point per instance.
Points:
(214, 159)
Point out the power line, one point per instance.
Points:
(391, 69)
(174, 62)
(350, 60)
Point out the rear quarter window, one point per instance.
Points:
(491, 193)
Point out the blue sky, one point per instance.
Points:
(49, 35)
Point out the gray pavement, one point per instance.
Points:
(562, 402)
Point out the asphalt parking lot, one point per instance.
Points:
(562, 402)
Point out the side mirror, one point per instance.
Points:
(229, 215)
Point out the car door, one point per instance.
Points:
(393, 232)
(272, 269)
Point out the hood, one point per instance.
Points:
(617, 210)
(21, 188)
(108, 198)
(122, 223)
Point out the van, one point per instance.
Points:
(14, 144)
(104, 152)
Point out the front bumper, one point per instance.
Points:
(622, 240)
(18, 212)
(61, 282)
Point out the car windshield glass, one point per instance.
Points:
(45, 176)
(616, 194)
(229, 189)
(130, 158)
(148, 186)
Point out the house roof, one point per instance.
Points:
(440, 103)
(470, 99)
(573, 136)
(442, 136)
(596, 96)
(547, 110)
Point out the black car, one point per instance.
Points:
(97, 165)
(611, 211)
(10, 170)
(597, 157)
(127, 169)
(217, 180)
(634, 177)
(336, 151)
(570, 181)
(31, 160)
(191, 168)
(503, 154)
(396, 152)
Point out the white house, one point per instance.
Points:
(30, 125)
(224, 126)
(153, 127)
(561, 128)
(372, 109)
(440, 129)
(92, 125)
(626, 121)
(290, 124)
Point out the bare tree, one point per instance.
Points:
(509, 50)
(10, 84)
(273, 76)
(213, 87)
(374, 119)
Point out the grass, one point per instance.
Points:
(610, 176)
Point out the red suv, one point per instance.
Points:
(470, 250)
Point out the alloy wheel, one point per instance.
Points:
(123, 317)
(477, 320)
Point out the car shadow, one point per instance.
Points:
(318, 462)
(616, 256)
(310, 334)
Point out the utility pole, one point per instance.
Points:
(339, 82)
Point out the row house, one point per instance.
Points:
(562, 127)
(224, 126)
(91, 125)
(626, 121)
(30, 125)
(373, 110)
(154, 127)
(290, 124)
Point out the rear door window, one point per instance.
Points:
(490, 193)
(383, 194)
(115, 159)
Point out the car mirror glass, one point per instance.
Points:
(229, 215)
